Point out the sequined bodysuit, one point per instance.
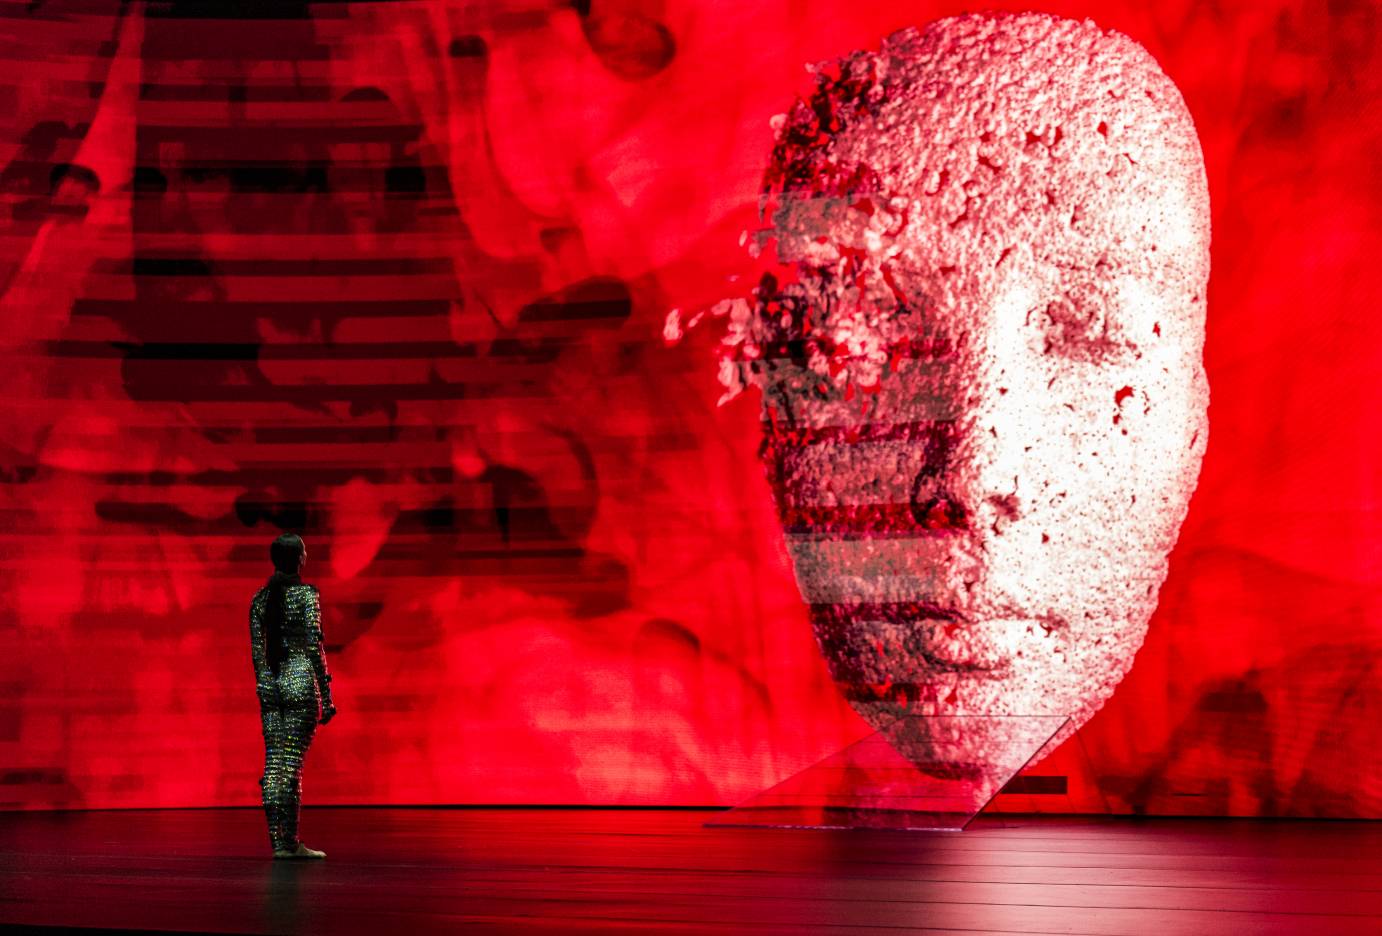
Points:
(288, 702)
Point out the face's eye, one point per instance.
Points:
(1076, 323)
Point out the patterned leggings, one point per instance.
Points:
(288, 732)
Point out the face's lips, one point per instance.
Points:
(945, 637)
(908, 629)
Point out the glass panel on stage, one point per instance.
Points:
(922, 772)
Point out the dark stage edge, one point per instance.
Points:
(592, 870)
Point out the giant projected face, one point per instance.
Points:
(983, 393)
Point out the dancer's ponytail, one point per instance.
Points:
(286, 553)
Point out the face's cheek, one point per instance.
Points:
(1098, 445)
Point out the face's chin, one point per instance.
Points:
(928, 676)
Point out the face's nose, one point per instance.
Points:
(967, 391)
(901, 436)
(975, 392)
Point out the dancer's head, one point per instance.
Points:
(289, 553)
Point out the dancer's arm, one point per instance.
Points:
(261, 664)
(318, 653)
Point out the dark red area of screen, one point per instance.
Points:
(394, 275)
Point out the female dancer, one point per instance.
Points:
(292, 684)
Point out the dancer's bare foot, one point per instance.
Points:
(302, 851)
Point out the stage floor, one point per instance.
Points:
(424, 870)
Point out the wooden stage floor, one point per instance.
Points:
(434, 870)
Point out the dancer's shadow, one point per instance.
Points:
(284, 901)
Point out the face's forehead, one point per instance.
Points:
(985, 139)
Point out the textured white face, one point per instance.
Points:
(984, 391)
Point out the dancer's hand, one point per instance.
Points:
(328, 712)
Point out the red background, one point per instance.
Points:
(421, 325)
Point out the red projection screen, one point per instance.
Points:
(395, 276)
